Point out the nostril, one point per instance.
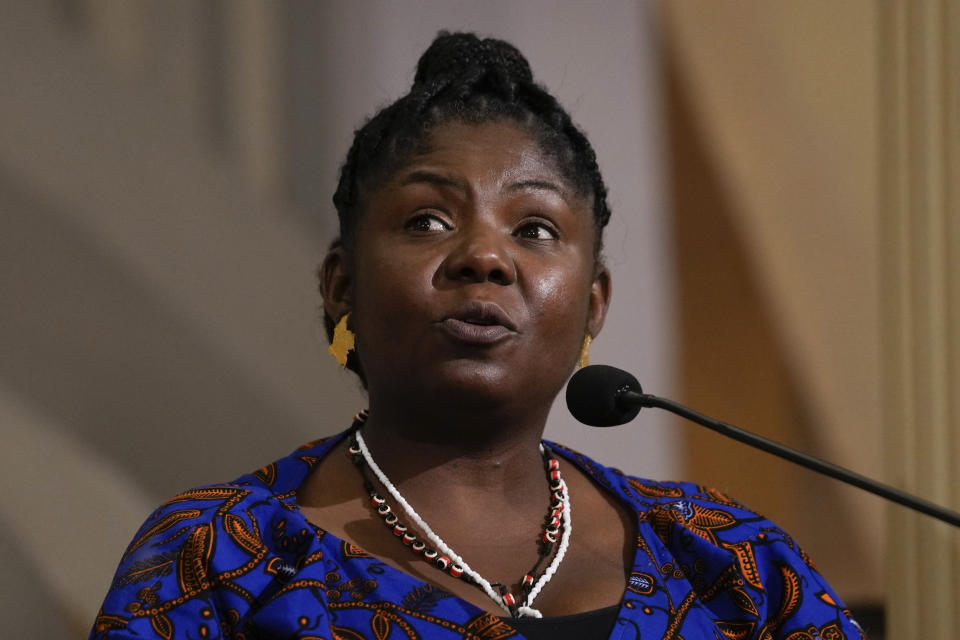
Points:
(479, 258)
(495, 274)
(468, 273)
(498, 276)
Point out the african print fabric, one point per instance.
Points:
(240, 561)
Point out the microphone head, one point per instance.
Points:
(593, 393)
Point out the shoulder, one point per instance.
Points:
(271, 487)
(663, 502)
(644, 494)
(742, 568)
(207, 539)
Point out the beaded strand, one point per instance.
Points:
(558, 522)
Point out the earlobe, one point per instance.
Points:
(335, 283)
(599, 301)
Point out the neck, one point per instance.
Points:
(443, 449)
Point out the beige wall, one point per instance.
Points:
(773, 112)
(814, 162)
(920, 269)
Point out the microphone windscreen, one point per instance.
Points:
(592, 396)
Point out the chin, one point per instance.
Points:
(472, 384)
(485, 386)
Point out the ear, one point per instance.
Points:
(335, 283)
(599, 301)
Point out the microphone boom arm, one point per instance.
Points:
(890, 493)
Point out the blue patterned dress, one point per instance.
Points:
(240, 561)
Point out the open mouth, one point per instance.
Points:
(482, 313)
(478, 322)
(483, 322)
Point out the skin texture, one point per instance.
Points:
(471, 285)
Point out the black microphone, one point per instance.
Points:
(604, 396)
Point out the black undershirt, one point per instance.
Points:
(589, 625)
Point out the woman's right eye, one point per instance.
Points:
(426, 223)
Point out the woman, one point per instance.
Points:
(466, 285)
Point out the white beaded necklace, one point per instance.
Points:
(525, 609)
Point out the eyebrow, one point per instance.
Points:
(540, 185)
(430, 177)
(544, 185)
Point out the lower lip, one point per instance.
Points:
(474, 333)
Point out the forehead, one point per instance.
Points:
(498, 150)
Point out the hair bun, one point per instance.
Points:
(454, 54)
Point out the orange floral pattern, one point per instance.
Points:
(240, 561)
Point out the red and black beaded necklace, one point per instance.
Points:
(555, 536)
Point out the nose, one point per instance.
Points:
(481, 254)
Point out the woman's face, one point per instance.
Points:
(473, 275)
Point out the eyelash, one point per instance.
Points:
(416, 223)
(422, 222)
(536, 224)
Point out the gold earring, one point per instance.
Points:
(343, 342)
(585, 351)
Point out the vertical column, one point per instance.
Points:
(920, 275)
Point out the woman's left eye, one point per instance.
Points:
(536, 231)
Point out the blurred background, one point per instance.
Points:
(785, 252)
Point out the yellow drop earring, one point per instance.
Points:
(585, 351)
(343, 341)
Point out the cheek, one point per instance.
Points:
(562, 303)
(389, 287)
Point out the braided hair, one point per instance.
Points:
(463, 78)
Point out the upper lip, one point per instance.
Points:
(481, 312)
